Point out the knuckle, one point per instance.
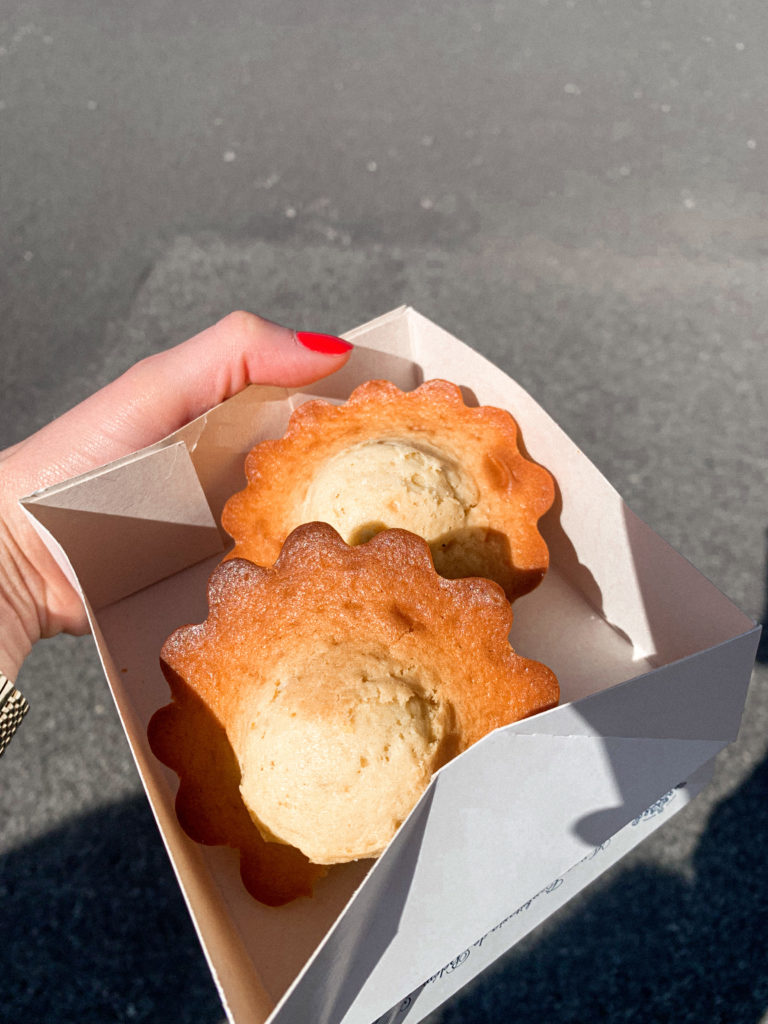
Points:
(241, 321)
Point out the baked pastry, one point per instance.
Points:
(421, 461)
(332, 686)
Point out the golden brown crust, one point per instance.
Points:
(380, 596)
(500, 538)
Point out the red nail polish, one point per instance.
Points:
(328, 344)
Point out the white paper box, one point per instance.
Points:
(652, 660)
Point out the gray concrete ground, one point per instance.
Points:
(578, 189)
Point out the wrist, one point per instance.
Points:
(15, 644)
(19, 622)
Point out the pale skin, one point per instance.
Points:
(150, 400)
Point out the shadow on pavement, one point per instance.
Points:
(93, 928)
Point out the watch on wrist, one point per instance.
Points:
(13, 707)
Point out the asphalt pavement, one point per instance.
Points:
(577, 189)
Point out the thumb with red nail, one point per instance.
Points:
(150, 400)
(328, 344)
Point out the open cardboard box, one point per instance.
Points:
(653, 664)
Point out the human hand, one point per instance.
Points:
(150, 400)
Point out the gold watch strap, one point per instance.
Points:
(13, 707)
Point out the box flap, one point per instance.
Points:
(125, 527)
(468, 961)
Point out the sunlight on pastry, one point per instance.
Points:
(420, 460)
(335, 758)
(389, 483)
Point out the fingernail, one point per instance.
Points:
(328, 344)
